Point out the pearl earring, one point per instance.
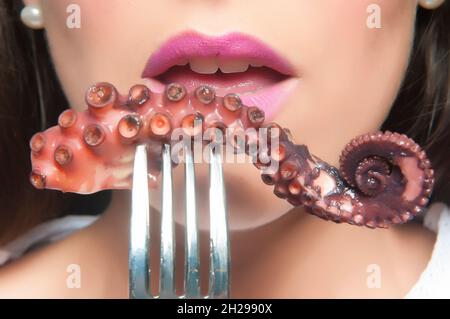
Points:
(431, 4)
(32, 17)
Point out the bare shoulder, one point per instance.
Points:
(63, 269)
(40, 273)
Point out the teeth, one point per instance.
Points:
(204, 65)
(256, 64)
(234, 66)
(183, 62)
(212, 65)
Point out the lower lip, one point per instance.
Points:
(259, 87)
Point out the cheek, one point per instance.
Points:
(99, 22)
(350, 73)
(95, 52)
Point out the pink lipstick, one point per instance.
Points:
(232, 62)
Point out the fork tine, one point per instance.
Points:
(167, 282)
(219, 286)
(139, 272)
(192, 276)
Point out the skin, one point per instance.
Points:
(277, 251)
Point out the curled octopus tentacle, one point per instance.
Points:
(383, 179)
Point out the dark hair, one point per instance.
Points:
(26, 76)
(421, 111)
(422, 107)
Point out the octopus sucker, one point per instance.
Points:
(175, 92)
(37, 179)
(255, 116)
(383, 179)
(101, 97)
(288, 170)
(63, 155)
(205, 94)
(295, 188)
(270, 178)
(129, 127)
(232, 102)
(37, 142)
(192, 124)
(160, 126)
(281, 190)
(138, 95)
(67, 119)
(94, 135)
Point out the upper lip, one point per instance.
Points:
(188, 45)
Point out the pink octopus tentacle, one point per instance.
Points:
(383, 179)
(93, 150)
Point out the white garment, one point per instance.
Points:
(434, 282)
(42, 234)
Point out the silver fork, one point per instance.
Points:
(139, 269)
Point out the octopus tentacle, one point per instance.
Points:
(384, 178)
(87, 151)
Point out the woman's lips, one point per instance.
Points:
(230, 63)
